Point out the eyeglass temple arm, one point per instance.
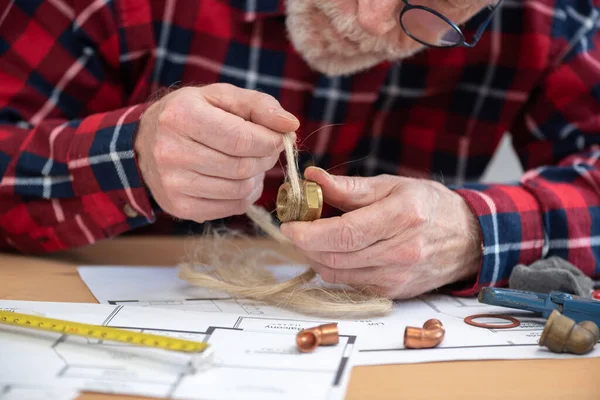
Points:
(483, 26)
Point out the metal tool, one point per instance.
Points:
(577, 308)
(199, 350)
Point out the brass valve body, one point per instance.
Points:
(311, 204)
(562, 334)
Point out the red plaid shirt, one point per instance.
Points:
(76, 76)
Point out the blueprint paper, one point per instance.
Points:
(381, 340)
(254, 357)
(161, 286)
(158, 283)
(19, 392)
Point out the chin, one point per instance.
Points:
(334, 65)
(334, 45)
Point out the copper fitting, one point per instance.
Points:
(322, 335)
(427, 337)
(310, 207)
(561, 334)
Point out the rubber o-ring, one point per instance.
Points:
(470, 320)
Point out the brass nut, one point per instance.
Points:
(310, 207)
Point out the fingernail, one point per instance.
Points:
(286, 115)
(327, 174)
(321, 169)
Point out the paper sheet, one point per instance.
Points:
(381, 343)
(255, 357)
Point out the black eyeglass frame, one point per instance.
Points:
(463, 41)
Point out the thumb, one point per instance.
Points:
(346, 193)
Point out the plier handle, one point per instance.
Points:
(575, 307)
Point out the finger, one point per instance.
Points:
(202, 210)
(252, 105)
(207, 161)
(222, 131)
(380, 254)
(208, 187)
(403, 290)
(352, 231)
(235, 167)
(232, 135)
(349, 193)
(362, 276)
(384, 281)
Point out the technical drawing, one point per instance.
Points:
(255, 357)
(380, 340)
(451, 311)
(201, 304)
(20, 392)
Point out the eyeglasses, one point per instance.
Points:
(422, 23)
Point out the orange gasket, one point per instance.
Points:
(515, 322)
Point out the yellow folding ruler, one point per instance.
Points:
(106, 333)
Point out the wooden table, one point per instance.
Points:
(55, 278)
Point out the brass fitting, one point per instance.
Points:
(308, 339)
(311, 205)
(561, 334)
(427, 337)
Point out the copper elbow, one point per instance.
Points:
(427, 337)
(562, 334)
(308, 339)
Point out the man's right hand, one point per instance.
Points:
(203, 151)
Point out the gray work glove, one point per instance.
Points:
(550, 274)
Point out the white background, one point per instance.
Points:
(505, 165)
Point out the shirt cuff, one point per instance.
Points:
(511, 229)
(105, 174)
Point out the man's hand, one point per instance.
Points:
(400, 237)
(203, 152)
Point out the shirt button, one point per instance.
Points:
(129, 211)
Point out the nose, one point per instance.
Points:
(378, 17)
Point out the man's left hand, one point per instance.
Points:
(399, 237)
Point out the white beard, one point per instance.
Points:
(324, 50)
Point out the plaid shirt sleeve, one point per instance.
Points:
(554, 209)
(65, 181)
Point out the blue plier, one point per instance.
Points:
(575, 307)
